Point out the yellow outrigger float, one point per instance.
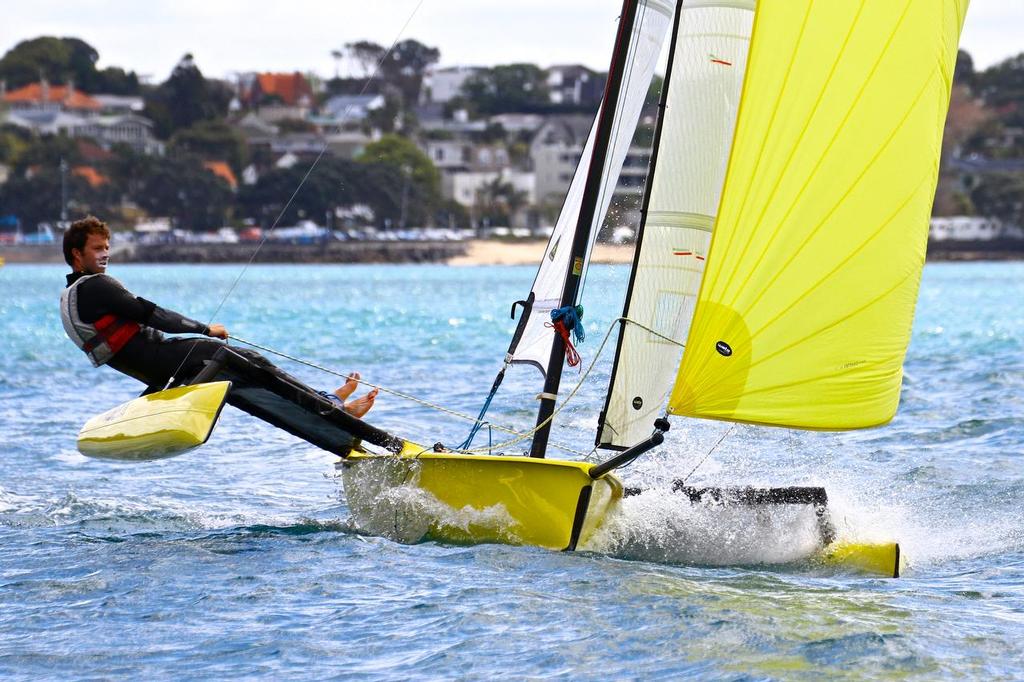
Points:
(154, 426)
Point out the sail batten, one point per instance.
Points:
(804, 315)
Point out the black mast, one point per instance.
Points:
(588, 208)
(662, 106)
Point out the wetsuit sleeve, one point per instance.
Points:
(103, 296)
(171, 322)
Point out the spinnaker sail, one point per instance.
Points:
(702, 96)
(804, 315)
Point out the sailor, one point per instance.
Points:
(116, 328)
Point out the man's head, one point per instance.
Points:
(87, 246)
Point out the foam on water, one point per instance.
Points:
(239, 559)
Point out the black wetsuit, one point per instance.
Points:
(148, 356)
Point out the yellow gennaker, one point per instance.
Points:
(155, 426)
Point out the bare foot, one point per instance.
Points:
(360, 406)
(349, 387)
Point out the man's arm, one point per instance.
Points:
(103, 295)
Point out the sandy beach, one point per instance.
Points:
(481, 252)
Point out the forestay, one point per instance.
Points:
(708, 62)
(804, 315)
(534, 347)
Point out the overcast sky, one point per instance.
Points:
(227, 36)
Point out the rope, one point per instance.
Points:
(391, 391)
(705, 458)
(483, 411)
(564, 320)
(519, 437)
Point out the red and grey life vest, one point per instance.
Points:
(101, 339)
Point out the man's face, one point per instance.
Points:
(92, 260)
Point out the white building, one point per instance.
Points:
(970, 229)
(464, 187)
(574, 84)
(444, 85)
(556, 150)
(107, 130)
(348, 110)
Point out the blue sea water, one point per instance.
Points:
(239, 559)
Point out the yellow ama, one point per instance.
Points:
(805, 311)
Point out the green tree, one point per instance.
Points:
(36, 197)
(26, 61)
(1002, 87)
(331, 185)
(185, 191)
(13, 142)
(498, 201)
(61, 60)
(1001, 195)
(405, 66)
(407, 171)
(213, 140)
(507, 88)
(186, 98)
(367, 54)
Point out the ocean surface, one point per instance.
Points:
(240, 560)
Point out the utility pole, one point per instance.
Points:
(63, 192)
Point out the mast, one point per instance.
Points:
(648, 190)
(584, 224)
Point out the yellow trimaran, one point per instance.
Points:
(782, 239)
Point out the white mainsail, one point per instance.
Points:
(651, 26)
(708, 65)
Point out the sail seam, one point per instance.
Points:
(888, 221)
(834, 324)
(838, 204)
(796, 147)
(727, 246)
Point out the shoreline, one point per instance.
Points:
(471, 253)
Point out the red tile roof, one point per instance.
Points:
(290, 87)
(90, 175)
(92, 152)
(222, 170)
(58, 94)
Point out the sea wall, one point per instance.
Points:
(330, 252)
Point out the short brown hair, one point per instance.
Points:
(78, 234)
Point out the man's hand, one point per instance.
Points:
(218, 331)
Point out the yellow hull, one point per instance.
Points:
(155, 426)
(469, 499)
(477, 498)
(875, 558)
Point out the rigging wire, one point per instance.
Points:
(309, 171)
(577, 328)
(519, 436)
(708, 454)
